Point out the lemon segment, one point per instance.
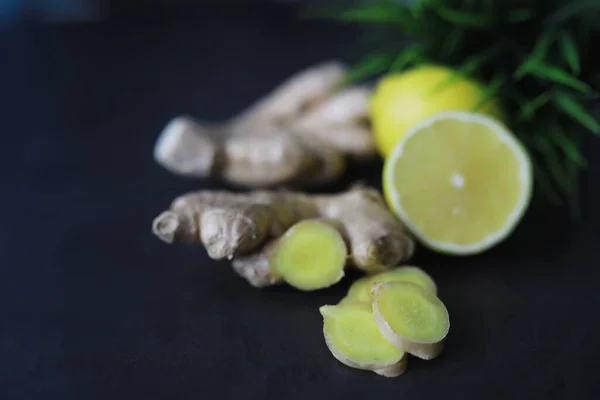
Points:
(459, 181)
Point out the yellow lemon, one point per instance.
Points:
(459, 181)
(404, 99)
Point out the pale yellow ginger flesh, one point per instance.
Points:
(360, 290)
(243, 226)
(353, 337)
(410, 317)
(302, 133)
(311, 255)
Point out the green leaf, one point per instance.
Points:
(545, 184)
(469, 67)
(558, 75)
(567, 145)
(451, 42)
(462, 18)
(523, 69)
(542, 45)
(569, 52)
(410, 54)
(371, 65)
(572, 107)
(418, 7)
(553, 162)
(490, 91)
(538, 54)
(373, 13)
(529, 109)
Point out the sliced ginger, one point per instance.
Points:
(361, 289)
(353, 337)
(358, 291)
(311, 255)
(411, 318)
(243, 226)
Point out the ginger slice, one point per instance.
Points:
(411, 318)
(239, 225)
(358, 292)
(361, 289)
(353, 337)
(311, 255)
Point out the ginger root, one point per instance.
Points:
(353, 337)
(302, 133)
(245, 227)
(360, 290)
(411, 318)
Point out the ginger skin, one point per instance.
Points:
(240, 226)
(302, 133)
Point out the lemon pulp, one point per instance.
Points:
(460, 182)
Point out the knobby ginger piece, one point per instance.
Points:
(411, 318)
(262, 158)
(340, 122)
(293, 97)
(300, 134)
(353, 337)
(360, 290)
(231, 225)
(228, 223)
(256, 269)
(376, 237)
(311, 255)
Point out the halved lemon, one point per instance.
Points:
(459, 181)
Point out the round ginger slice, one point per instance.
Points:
(360, 290)
(411, 318)
(311, 255)
(353, 337)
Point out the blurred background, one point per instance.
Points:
(85, 10)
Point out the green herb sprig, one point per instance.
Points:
(535, 57)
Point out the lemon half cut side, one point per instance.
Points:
(459, 181)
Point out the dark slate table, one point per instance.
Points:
(92, 306)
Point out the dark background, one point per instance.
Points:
(92, 306)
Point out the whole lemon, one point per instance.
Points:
(401, 100)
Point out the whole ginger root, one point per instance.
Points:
(246, 227)
(302, 133)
